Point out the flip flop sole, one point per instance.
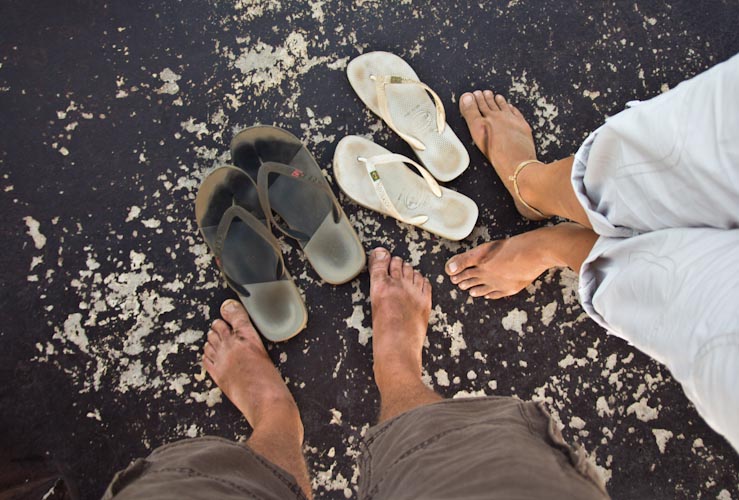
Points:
(412, 110)
(273, 302)
(451, 216)
(334, 249)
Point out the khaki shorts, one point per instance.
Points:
(493, 447)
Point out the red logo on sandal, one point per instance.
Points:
(297, 173)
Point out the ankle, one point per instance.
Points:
(402, 398)
(283, 421)
(532, 183)
(273, 406)
(396, 371)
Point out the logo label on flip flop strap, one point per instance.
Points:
(375, 176)
(298, 173)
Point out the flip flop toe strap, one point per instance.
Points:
(381, 83)
(297, 174)
(238, 212)
(377, 183)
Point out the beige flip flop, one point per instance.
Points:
(393, 91)
(377, 179)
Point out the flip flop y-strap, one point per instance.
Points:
(371, 164)
(381, 83)
(272, 167)
(238, 212)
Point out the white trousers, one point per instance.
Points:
(660, 185)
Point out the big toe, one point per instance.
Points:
(236, 316)
(469, 108)
(465, 260)
(379, 260)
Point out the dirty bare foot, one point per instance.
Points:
(501, 268)
(401, 306)
(504, 137)
(238, 362)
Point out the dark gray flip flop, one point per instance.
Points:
(292, 186)
(247, 253)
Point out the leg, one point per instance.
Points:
(667, 162)
(238, 362)
(401, 305)
(504, 137)
(501, 268)
(212, 467)
(462, 448)
(498, 269)
(673, 294)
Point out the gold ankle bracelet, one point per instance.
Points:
(514, 178)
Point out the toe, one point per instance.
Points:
(396, 267)
(378, 263)
(514, 110)
(222, 328)
(427, 287)
(480, 290)
(236, 316)
(468, 107)
(408, 271)
(417, 278)
(468, 259)
(470, 283)
(209, 352)
(214, 338)
(501, 102)
(464, 275)
(495, 295)
(209, 363)
(482, 104)
(490, 99)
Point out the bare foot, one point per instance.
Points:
(401, 306)
(238, 362)
(504, 137)
(498, 269)
(505, 267)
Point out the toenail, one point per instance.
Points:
(467, 99)
(380, 253)
(230, 306)
(453, 267)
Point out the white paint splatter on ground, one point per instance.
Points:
(170, 79)
(515, 320)
(357, 319)
(662, 436)
(642, 410)
(442, 377)
(546, 131)
(39, 240)
(548, 311)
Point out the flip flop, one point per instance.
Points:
(377, 179)
(291, 185)
(247, 253)
(393, 91)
